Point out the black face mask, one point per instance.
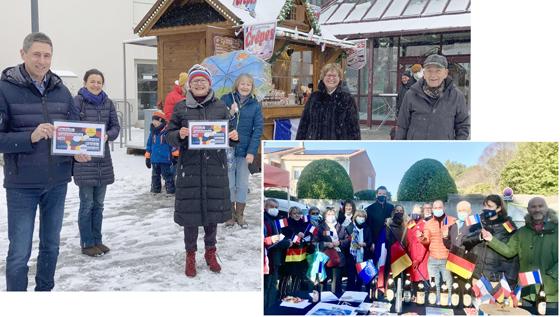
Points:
(398, 218)
(488, 213)
(381, 199)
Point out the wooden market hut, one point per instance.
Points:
(188, 31)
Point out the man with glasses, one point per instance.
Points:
(433, 108)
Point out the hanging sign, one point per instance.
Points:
(357, 56)
(259, 39)
(247, 5)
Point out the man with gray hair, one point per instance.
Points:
(537, 246)
(433, 108)
(31, 98)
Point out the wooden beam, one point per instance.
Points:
(189, 28)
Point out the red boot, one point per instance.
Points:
(190, 265)
(210, 257)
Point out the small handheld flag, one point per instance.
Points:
(482, 287)
(472, 220)
(296, 239)
(366, 271)
(311, 229)
(505, 286)
(281, 223)
(412, 224)
(461, 265)
(530, 278)
(399, 259)
(509, 226)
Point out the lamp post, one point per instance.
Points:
(34, 16)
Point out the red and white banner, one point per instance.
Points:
(259, 39)
(356, 57)
(247, 5)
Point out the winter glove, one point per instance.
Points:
(148, 163)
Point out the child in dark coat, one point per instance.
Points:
(160, 155)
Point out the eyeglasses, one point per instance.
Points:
(331, 76)
(199, 81)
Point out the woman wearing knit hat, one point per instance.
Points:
(202, 196)
(175, 95)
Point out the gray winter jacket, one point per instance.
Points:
(423, 118)
(98, 171)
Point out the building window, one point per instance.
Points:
(146, 78)
(297, 173)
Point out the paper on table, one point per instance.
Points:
(327, 296)
(379, 307)
(300, 305)
(325, 309)
(439, 311)
(355, 297)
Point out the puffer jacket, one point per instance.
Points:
(536, 251)
(22, 109)
(98, 171)
(202, 195)
(489, 262)
(329, 117)
(423, 118)
(433, 236)
(417, 251)
(172, 98)
(157, 148)
(248, 122)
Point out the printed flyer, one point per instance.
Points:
(71, 138)
(208, 135)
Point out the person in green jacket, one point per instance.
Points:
(537, 246)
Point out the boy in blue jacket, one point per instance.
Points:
(160, 155)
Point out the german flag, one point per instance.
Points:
(461, 266)
(412, 224)
(399, 259)
(295, 254)
(509, 226)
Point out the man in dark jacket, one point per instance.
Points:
(433, 108)
(378, 212)
(276, 244)
(407, 80)
(31, 98)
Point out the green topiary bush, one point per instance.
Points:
(368, 194)
(426, 180)
(324, 179)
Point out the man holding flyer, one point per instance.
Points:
(31, 98)
(202, 198)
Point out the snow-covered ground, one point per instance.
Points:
(147, 249)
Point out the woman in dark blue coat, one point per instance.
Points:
(93, 177)
(247, 119)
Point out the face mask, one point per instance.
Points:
(381, 199)
(398, 218)
(489, 213)
(360, 220)
(272, 211)
(462, 215)
(331, 219)
(315, 218)
(438, 212)
(415, 217)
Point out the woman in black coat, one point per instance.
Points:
(202, 195)
(494, 218)
(93, 177)
(331, 112)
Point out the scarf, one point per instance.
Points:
(96, 100)
(433, 93)
(355, 249)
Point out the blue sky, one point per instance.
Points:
(392, 159)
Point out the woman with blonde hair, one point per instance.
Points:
(247, 119)
(330, 113)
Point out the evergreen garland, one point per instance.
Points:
(289, 6)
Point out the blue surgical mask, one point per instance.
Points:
(381, 199)
(438, 212)
(315, 218)
(360, 220)
(462, 215)
(488, 213)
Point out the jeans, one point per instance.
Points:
(435, 267)
(238, 175)
(22, 208)
(90, 216)
(191, 235)
(160, 170)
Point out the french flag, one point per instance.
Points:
(530, 278)
(305, 218)
(312, 229)
(366, 271)
(472, 220)
(381, 254)
(285, 129)
(516, 296)
(281, 223)
(296, 239)
(482, 288)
